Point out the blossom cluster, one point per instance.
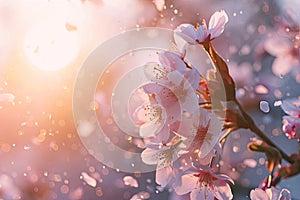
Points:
(180, 137)
(184, 134)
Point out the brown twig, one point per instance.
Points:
(244, 120)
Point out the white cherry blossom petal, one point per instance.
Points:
(291, 107)
(212, 136)
(224, 178)
(217, 23)
(258, 194)
(222, 190)
(193, 77)
(183, 91)
(181, 45)
(161, 137)
(151, 119)
(186, 184)
(150, 156)
(201, 33)
(187, 130)
(159, 4)
(202, 193)
(150, 128)
(137, 99)
(164, 175)
(285, 194)
(172, 60)
(141, 196)
(167, 99)
(88, 179)
(175, 78)
(187, 32)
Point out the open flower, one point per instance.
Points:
(171, 63)
(201, 134)
(151, 119)
(291, 123)
(155, 110)
(173, 74)
(195, 35)
(203, 183)
(270, 194)
(170, 92)
(163, 155)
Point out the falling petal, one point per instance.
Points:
(130, 181)
(88, 179)
(140, 196)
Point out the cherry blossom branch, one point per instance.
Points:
(243, 120)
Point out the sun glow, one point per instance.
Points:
(51, 45)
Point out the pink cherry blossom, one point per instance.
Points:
(171, 63)
(154, 109)
(291, 127)
(270, 194)
(202, 183)
(291, 123)
(195, 35)
(201, 136)
(163, 155)
(172, 73)
(170, 92)
(151, 119)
